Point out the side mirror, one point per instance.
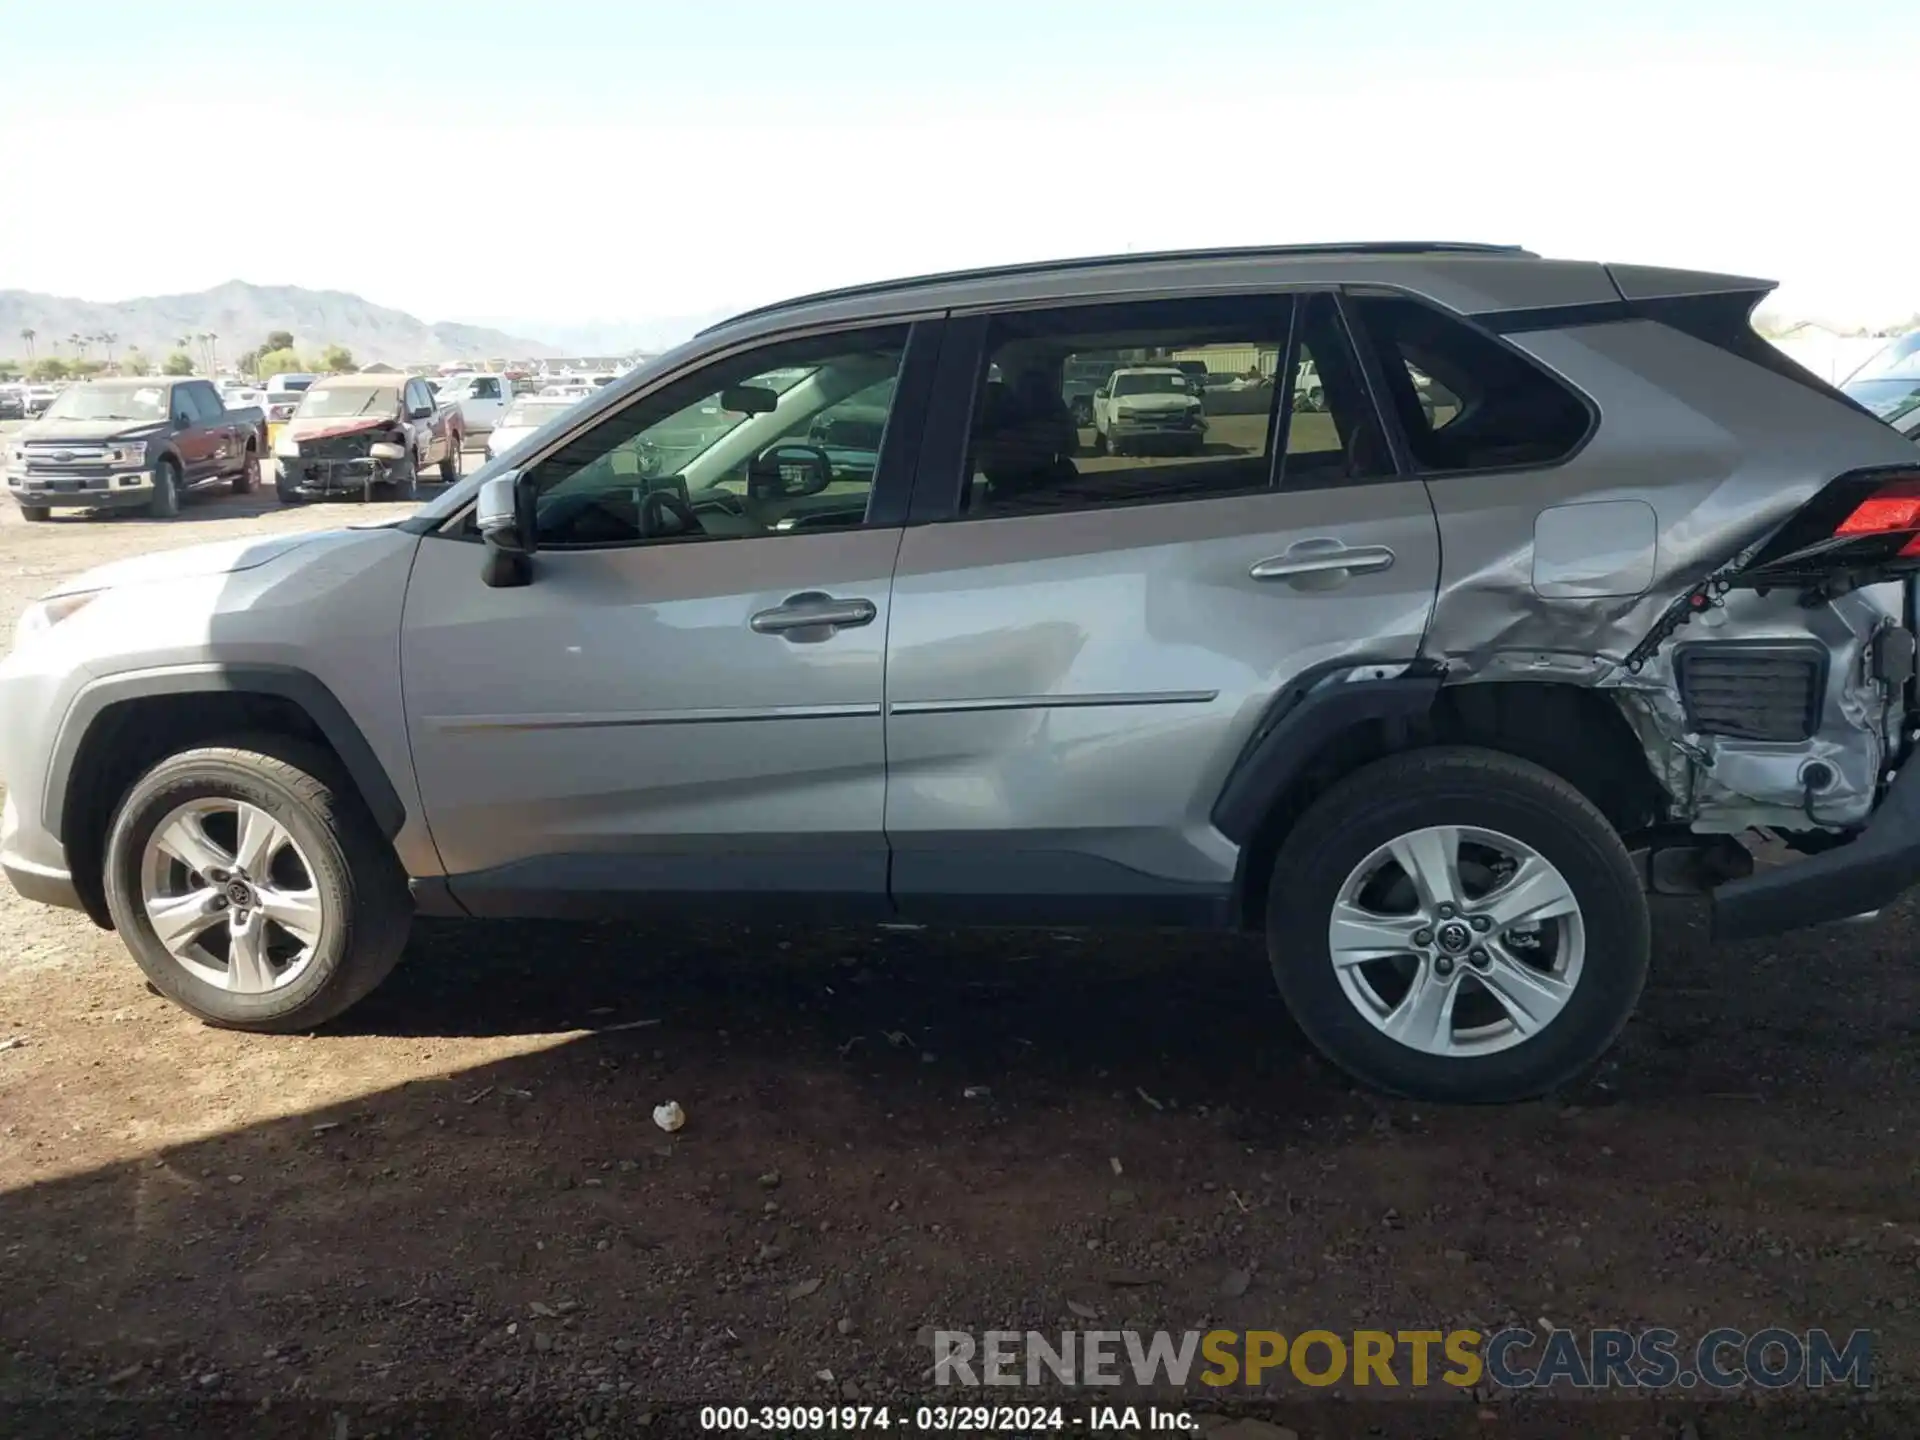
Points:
(749, 400)
(504, 513)
(789, 472)
(420, 412)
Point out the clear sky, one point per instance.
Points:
(563, 161)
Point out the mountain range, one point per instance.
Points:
(242, 315)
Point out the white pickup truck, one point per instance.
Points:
(481, 398)
(1144, 406)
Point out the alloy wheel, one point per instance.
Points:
(231, 896)
(1457, 941)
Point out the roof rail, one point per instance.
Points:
(1143, 257)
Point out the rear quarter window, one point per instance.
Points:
(1465, 401)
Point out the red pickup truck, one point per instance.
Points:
(132, 444)
(355, 433)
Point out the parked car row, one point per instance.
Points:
(23, 401)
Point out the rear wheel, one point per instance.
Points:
(1458, 925)
(166, 491)
(248, 480)
(253, 889)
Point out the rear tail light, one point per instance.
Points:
(1865, 524)
(1893, 508)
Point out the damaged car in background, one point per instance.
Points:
(1567, 588)
(355, 434)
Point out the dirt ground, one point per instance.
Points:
(458, 1191)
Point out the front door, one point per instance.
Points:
(685, 701)
(196, 430)
(1093, 627)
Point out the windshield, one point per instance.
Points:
(333, 402)
(1900, 360)
(1151, 382)
(1892, 400)
(534, 412)
(92, 402)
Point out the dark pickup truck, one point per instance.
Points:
(132, 444)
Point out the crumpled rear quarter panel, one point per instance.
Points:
(1722, 452)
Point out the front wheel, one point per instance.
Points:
(35, 514)
(450, 462)
(1457, 924)
(253, 888)
(166, 491)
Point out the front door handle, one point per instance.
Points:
(813, 615)
(1322, 557)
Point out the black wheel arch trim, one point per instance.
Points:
(286, 682)
(1303, 718)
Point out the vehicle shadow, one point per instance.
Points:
(911, 1128)
(1192, 1019)
(1193, 1016)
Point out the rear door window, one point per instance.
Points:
(1464, 400)
(1099, 406)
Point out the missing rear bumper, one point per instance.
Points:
(1873, 869)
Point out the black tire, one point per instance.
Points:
(1490, 791)
(35, 514)
(405, 484)
(248, 480)
(363, 890)
(284, 488)
(165, 503)
(450, 463)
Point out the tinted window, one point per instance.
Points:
(1482, 405)
(204, 398)
(486, 388)
(1093, 406)
(1333, 434)
(723, 454)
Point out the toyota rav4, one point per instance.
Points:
(1430, 696)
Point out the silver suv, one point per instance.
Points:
(1565, 582)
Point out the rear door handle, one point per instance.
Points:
(813, 610)
(1322, 557)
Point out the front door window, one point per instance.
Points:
(780, 439)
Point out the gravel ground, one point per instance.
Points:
(459, 1191)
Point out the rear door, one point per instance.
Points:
(1081, 644)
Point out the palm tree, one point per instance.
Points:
(79, 344)
(108, 339)
(28, 335)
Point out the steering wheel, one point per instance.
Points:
(725, 501)
(657, 505)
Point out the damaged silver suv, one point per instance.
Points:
(1562, 583)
